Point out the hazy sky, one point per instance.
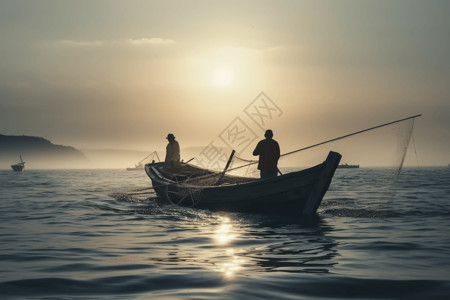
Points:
(123, 74)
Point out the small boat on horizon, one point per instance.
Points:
(19, 166)
(347, 166)
(137, 167)
(140, 165)
(297, 193)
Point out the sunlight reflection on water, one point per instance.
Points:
(223, 236)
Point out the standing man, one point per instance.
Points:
(269, 153)
(172, 151)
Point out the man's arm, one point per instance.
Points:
(256, 151)
(177, 148)
(167, 153)
(278, 151)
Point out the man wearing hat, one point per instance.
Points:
(269, 153)
(172, 151)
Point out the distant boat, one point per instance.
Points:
(347, 166)
(140, 165)
(137, 167)
(19, 166)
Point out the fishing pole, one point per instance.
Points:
(335, 139)
(354, 133)
(153, 153)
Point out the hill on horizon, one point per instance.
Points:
(38, 152)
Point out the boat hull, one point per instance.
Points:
(17, 167)
(135, 169)
(346, 166)
(297, 193)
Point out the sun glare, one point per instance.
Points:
(222, 75)
(223, 234)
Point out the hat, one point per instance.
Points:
(170, 136)
(268, 133)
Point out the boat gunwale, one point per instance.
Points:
(254, 181)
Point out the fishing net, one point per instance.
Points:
(378, 156)
(191, 181)
(384, 147)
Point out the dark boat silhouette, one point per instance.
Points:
(347, 166)
(298, 193)
(19, 166)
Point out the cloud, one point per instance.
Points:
(155, 41)
(151, 41)
(82, 43)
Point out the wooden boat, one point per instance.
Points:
(19, 166)
(298, 193)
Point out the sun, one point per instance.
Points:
(222, 75)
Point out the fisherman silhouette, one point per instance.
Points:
(172, 152)
(269, 153)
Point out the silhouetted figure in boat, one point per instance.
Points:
(172, 152)
(269, 153)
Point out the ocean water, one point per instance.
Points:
(98, 234)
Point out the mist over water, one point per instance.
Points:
(101, 234)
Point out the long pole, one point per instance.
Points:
(146, 157)
(226, 167)
(335, 139)
(354, 133)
